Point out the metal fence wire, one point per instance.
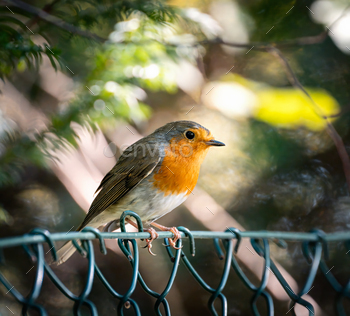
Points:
(314, 246)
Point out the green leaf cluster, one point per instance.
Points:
(137, 56)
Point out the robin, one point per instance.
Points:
(152, 177)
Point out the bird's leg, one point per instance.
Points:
(132, 223)
(153, 233)
(174, 230)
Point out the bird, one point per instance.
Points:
(152, 177)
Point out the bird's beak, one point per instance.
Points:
(214, 142)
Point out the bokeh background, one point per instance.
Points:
(78, 88)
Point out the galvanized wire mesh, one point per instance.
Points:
(314, 246)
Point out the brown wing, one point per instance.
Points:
(136, 163)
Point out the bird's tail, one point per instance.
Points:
(66, 251)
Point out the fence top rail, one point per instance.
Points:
(287, 236)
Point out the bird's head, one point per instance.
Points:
(187, 139)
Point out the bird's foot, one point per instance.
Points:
(154, 235)
(174, 230)
(177, 236)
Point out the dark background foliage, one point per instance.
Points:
(75, 73)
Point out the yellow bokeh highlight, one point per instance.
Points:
(189, 3)
(250, 84)
(290, 108)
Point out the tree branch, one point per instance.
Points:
(47, 8)
(54, 20)
(264, 46)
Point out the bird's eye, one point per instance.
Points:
(189, 135)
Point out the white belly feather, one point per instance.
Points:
(148, 207)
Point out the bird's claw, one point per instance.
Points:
(154, 235)
(177, 236)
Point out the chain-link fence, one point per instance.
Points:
(314, 246)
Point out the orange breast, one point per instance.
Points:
(180, 168)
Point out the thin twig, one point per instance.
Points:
(292, 78)
(54, 20)
(329, 127)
